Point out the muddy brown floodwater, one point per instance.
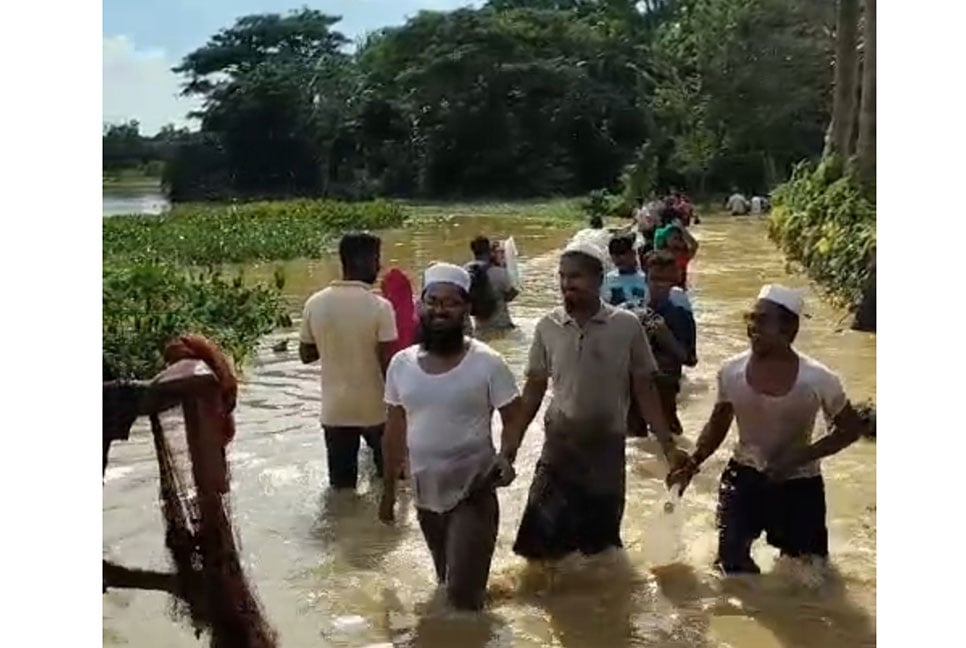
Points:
(330, 574)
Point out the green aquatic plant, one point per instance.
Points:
(261, 231)
(145, 306)
(822, 219)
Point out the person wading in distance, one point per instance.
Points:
(773, 483)
(441, 396)
(594, 354)
(351, 331)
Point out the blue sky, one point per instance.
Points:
(144, 39)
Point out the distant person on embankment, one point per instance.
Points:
(773, 482)
(441, 397)
(351, 330)
(594, 354)
(491, 290)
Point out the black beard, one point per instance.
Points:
(446, 341)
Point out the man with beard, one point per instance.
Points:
(351, 330)
(597, 356)
(773, 483)
(441, 396)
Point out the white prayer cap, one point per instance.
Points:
(790, 299)
(446, 273)
(589, 248)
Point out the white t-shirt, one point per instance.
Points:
(767, 424)
(449, 419)
(757, 205)
(346, 322)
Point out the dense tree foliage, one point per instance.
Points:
(515, 98)
(124, 148)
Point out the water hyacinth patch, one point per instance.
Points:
(202, 235)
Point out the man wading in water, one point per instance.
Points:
(441, 396)
(352, 331)
(491, 288)
(595, 354)
(773, 483)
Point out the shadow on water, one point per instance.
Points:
(348, 523)
(824, 616)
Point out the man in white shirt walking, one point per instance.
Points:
(350, 330)
(773, 483)
(441, 396)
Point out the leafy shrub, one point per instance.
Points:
(147, 305)
(600, 203)
(206, 234)
(822, 219)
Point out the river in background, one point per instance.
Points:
(330, 574)
(119, 201)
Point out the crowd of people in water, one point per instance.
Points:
(410, 375)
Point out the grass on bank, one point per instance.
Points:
(824, 221)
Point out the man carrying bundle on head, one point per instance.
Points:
(441, 395)
(773, 483)
(594, 354)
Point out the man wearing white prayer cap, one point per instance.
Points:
(597, 356)
(441, 394)
(773, 482)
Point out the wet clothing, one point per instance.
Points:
(346, 322)
(342, 452)
(770, 424)
(449, 420)
(562, 516)
(462, 541)
(449, 438)
(791, 513)
(619, 288)
(582, 461)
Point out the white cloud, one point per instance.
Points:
(139, 84)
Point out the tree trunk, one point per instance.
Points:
(865, 149)
(843, 107)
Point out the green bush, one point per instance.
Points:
(822, 219)
(259, 231)
(148, 305)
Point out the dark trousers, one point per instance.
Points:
(342, 451)
(667, 388)
(461, 542)
(791, 513)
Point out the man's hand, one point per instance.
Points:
(501, 471)
(683, 474)
(676, 458)
(386, 506)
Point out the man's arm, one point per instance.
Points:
(534, 389)
(649, 405)
(512, 435)
(393, 448)
(308, 351)
(690, 240)
(846, 429)
(714, 432)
